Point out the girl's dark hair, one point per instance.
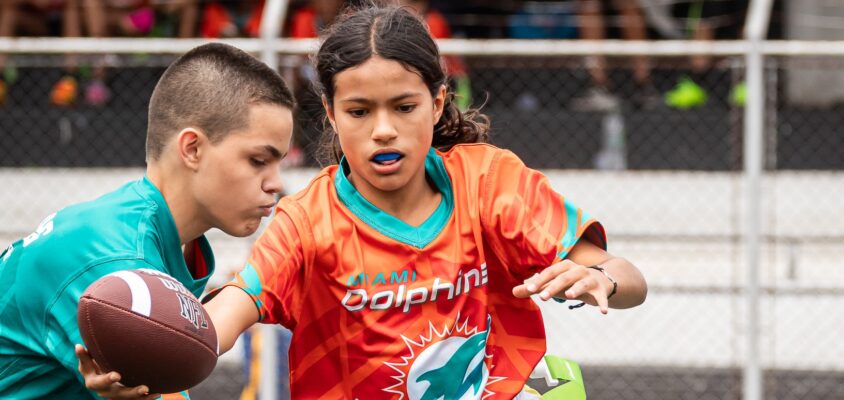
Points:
(392, 33)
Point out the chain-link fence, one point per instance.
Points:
(656, 156)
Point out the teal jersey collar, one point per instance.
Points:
(171, 244)
(391, 226)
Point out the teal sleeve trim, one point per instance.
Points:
(570, 237)
(590, 230)
(253, 284)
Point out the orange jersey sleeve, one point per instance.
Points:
(528, 225)
(273, 275)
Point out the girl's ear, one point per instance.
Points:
(439, 103)
(329, 112)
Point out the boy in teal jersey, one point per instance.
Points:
(219, 124)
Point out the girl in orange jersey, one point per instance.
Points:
(406, 269)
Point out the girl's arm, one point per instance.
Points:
(232, 311)
(572, 279)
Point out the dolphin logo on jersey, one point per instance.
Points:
(451, 381)
(450, 363)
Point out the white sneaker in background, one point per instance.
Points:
(595, 99)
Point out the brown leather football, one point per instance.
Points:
(147, 326)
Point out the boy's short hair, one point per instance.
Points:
(211, 88)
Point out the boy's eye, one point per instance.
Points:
(257, 162)
(406, 107)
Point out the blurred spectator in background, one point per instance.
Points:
(308, 20)
(147, 18)
(697, 20)
(478, 19)
(51, 18)
(592, 27)
(221, 19)
(16, 17)
(544, 20)
(455, 67)
(155, 18)
(20, 17)
(94, 18)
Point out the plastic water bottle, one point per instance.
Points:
(613, 154)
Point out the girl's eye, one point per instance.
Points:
(406, 108)
(357, 113)
(257, 162)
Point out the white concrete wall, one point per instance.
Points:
(681, 228)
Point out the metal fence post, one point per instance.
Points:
(754, 117)
(272, 21)
(268, 386)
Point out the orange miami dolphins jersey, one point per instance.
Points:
(383, 310)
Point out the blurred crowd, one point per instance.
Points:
(570, 19)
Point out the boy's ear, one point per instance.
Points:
(329, 112)
(189, 146)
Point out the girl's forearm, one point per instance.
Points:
(632, 288)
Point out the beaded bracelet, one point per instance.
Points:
(613, 281)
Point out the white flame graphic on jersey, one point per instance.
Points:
(432, 359)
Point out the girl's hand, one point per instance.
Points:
(107, 385)
(569, 280)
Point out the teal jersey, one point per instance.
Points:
(43, 275)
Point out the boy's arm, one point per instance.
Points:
(107, 385)
(232, 311)
(61, 331)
